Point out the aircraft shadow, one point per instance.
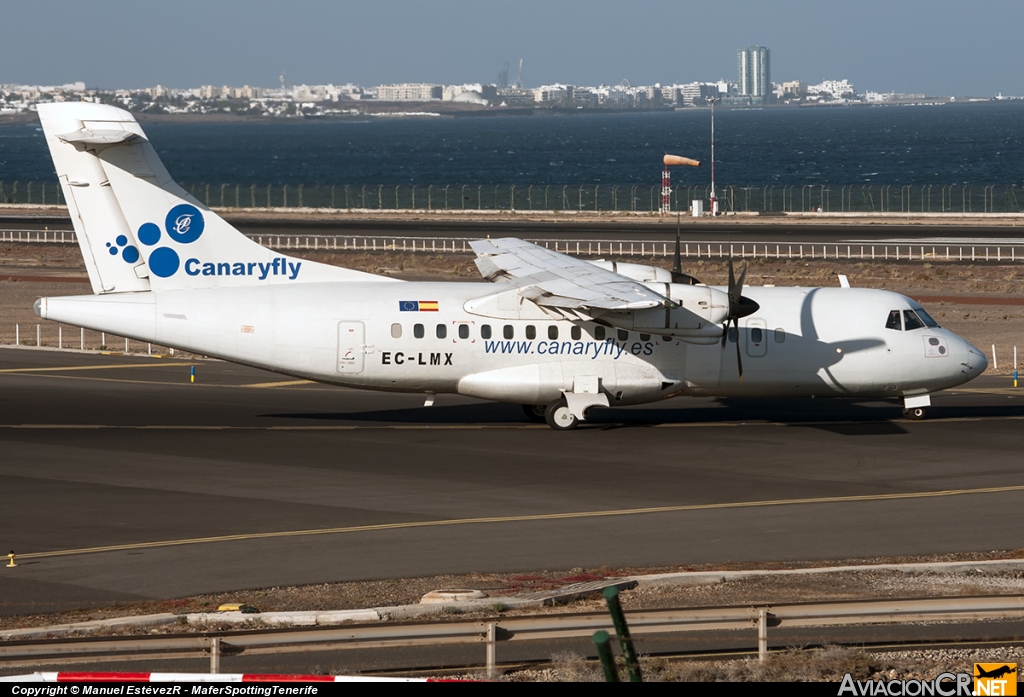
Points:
(840, 416)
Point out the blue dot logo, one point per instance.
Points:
(149, 234)
(164, 262)
(184, 223)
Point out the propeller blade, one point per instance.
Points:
(739, 284)
(739, 361)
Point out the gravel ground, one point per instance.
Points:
(770, 589)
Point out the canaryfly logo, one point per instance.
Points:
(183, 225)
(594, 349)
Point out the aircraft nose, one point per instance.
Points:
(974, 362)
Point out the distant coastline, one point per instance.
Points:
(413, 110)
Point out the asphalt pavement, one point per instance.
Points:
(123, 480)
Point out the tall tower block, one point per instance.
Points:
(753, 72)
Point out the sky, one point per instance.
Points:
(939, 47)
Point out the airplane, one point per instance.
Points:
(995, 672)
(556, 334)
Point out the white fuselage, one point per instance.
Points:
(387, 336)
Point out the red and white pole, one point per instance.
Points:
(714, 202)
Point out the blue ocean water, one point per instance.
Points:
(977, 144)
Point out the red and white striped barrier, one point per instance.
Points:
(198, 677)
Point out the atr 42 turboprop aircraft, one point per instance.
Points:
(556, 334)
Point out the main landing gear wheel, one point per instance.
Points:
(915, 414)
(559, 417)
(535, 412)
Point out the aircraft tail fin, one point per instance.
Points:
(137, 228)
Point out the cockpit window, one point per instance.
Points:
(925, 317)
(911, 321)
(894, 321)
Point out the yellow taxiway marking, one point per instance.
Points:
(524, 519)
(286, 383)
(94, 367)
(990, 390)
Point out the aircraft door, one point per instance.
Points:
(756, 336)
(351, 347)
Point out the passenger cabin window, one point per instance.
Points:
(396, 331)
(623, 335)
(645, 337)
(575, 333)
(599, 333)
(442, 331)
(667, 339)
(734, 334)
(756, 335)
(894, 321)
(508, 332)
(531, 332)
(552, 332)
(485, 331)
(911, 321)
(417, 331)
(780, 336)
(463, 331)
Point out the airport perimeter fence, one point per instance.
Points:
(850, 198)
(63, 337)
(617, 248)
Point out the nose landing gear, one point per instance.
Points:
(915, 407)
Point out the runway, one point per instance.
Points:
(122, 480)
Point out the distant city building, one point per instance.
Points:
(475, 93)
(753, 69)
(409, 92)
(553, 94)
(835, 90)
(794, 89)
(697, 93)
(514, 96)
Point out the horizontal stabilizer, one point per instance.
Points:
(99, 138)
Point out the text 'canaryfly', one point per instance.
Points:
(261, 270)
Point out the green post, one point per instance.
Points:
(604, 652)
(611, 596)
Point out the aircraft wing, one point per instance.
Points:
(559, 281)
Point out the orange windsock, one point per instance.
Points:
(672, 160)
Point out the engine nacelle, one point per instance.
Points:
(697, 314)
(637, 272)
